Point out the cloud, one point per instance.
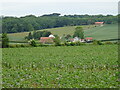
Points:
(27, 8)
(59, 1)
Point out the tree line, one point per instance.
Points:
(37, 34)
(32, 22)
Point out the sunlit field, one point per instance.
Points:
(90, 66)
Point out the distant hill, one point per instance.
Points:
(99, 33)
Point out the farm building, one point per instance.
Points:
(82, 40)
(89, 39)
(76, 39)
(99, 23)
(47, 40)
(52, 36)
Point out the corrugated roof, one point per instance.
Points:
(99, 22)
(46, 38)
(90, 38)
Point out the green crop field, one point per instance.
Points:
(103, 32)
(90, 66)
(98, 33)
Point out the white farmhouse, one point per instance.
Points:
(76, 39)
(51, 36)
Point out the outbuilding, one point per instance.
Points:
(89, 39)
(99, 23)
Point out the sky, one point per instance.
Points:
(64, 7)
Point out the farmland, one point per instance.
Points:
(90, 66)
(98, 33)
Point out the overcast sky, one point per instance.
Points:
(40, 7)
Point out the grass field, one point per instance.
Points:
(91, 66)
(103, 33)
(59, 31)
(98, 33)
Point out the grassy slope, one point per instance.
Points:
(59, 31)
(104, 32)
(99, 33)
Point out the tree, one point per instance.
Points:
(68, 36)
(79, 32)
(46, 34)
(33, 43)
(56, 40)
(30, 27)
(31, 22)
(5, 40)
(29, 36)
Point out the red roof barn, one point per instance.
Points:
(89, 38)
(46, 40)
(99, 23)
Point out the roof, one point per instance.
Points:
(90, 38)
(99, 22)
(46, 38)
(72, 39)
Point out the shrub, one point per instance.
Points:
(77, 43)
(5, 40)
(22, 45)
(66, 43)
(25, 45)
(18, 45)
(12, 46)
(62, 44)
(72, 44)
(40, 44)
(97, 42)
(57, 41)
(108, 42)
(32, 43)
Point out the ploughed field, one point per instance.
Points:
(61, 67)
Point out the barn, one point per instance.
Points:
(46, 40)
(99, 23)
(89, 39)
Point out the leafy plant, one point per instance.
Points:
(32, 43)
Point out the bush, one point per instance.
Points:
(12, 46)
(22, 45)
(19, 45)
(5, 40)
(77, 43)
(32, 43)
(96, 42)
(62, 44)
(72, 44)
(108, 42)
(66, 43)
(39, 44)
(57, 41)
(25, 45)
(118, 43)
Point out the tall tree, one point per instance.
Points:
(79, 32)
(30, 36)
(57, 40)
(5, 40)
